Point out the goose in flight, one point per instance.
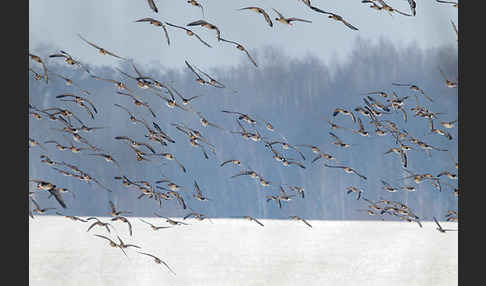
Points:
(138, 102)
(70, 82)
(324, 156)
(185, 101)
(135, 144)
(390, 9)
(373, 4)
(156, 23)
(107, 157)
(98, 223)
(205, 122)
(207, 25)
(234, 161)
(74, 218)
(347, 170)
(170, 221)
(338, 141)
(100, 49)
(154, 228)
(314, 149)
(198, 194)
(250, 173)
(69, 60)
(288, 21)
(286, 146)
(253, 219)
(335, 127)
(78, 99)
(112, 243)
(199, 79)
(241, 48)
(211, 81)
(189, 33)
(158, 261)
(260, 11)
(120, 85)
(301, 219)
(414, 88)
(198, 216)
(345, 112)
(335, 17)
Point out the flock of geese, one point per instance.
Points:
(376, 106)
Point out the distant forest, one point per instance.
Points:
(297, 97)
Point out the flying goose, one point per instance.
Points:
(260, 11)
(100, 49)
(347, 170)
(156, 23)
(288, 21)
(158, 261)
(190, 33)
(335, 17)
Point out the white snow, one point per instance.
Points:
(240, 252)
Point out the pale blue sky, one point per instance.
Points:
(110, 24)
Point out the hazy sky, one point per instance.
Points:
(110, 24)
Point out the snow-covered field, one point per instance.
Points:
(240, 252)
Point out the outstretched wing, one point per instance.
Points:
(192, 69)
(349, 25)
(257, 221)
(152, 6)
(298, 19)
(437, 222)
(58, 197)
(454, 27)
(267, 18)
(278, 13)
(251, 59)
(320, 11)
(166, 34)
(197, 23)
(304, 221)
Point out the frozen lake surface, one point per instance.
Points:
(240, 252)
